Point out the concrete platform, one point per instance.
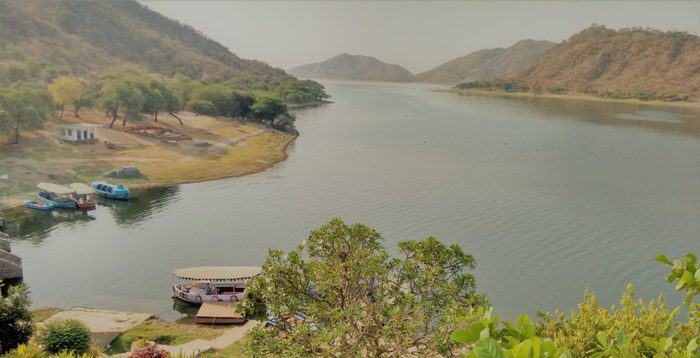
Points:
(104, 325)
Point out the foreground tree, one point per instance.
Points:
(16, 326)
(359, 301)
(66, 91)
(24, 106)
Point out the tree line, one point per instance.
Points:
(24, 105)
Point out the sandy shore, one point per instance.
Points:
(572, 96)
(219, 148)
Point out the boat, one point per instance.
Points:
(83, 195)
(213, 283)
(59, 195)
(112, 191)
(43, 205)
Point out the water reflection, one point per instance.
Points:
(145, 204)
(188, 311)
(674, 120)
(36, 226)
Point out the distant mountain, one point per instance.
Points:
(86, 38)
(636, 62)
(486, 64)
(354, 67)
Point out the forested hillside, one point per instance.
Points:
(86, 38)
(486, 64)
(639, 63)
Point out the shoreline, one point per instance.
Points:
(570, 96)
(256, 150)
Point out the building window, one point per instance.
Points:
(70, 132)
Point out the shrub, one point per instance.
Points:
(201, 106)
(556, 89)
(16, 324)
(284, 121)
(578, 332)
(69, 335)
(25, 351)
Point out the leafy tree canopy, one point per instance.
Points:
(359, 301)
(24, 105)
(66, 91)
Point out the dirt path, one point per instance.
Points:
(197, 346)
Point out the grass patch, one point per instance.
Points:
(161, 332)
(42, 314)
(234, 350)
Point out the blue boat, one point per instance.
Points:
(112, 191)
(43, 205)
(58, 195)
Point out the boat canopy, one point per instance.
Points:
(54, 188)
(217, 273)
(82, 189)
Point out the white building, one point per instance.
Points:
(79, 132)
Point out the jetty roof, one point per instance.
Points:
(82, 189)
(54, 188)
(219, 312)
(217, 273)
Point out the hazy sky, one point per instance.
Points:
(416, 35)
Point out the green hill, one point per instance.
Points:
(354, 67)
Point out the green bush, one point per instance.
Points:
(16, 324)
(69, 335)
(201, 106)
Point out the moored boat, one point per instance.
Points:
(213, 283)
(59, 195)
(43, 205)
(112, 191)
(83, 196)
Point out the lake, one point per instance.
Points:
(551, 196)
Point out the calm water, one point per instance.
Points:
(551, 196)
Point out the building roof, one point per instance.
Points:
(54, 188)
(217, 273)
(82, 189)
(79, 125)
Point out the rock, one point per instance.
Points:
(124, 173)
(201, 143)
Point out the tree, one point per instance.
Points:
(125, 95)
(24, 106)
(86, 99)
(154, 100)
(267, 107)
(16, 326)
(284, 121)
(66, 90)
(357, 299)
